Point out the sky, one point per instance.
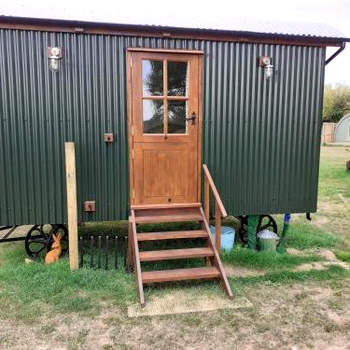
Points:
(335, 13)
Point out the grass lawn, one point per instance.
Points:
(298, 299)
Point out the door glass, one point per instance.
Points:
(177, 111)
(152, 77)
(153, 116)
(177, 78)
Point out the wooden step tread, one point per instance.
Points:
(174, 254)
(154, 236)
(145, 216)
(180, 274)
(165, 206)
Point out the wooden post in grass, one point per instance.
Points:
(72, 209)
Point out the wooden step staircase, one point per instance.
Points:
(187, 212)
(177, 213)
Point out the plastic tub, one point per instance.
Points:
(227, 237)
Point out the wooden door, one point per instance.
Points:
(165, 127)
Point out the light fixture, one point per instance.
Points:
(54, 54)
(266, 63)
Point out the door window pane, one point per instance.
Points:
(152, 77)
(177, 78)
(153, 116)
(177, 111)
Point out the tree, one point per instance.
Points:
(177, 81)
(336, 102)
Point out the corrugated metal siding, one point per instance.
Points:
(261, 138)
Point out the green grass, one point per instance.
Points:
(342, 255)
(31, 290)
(303, 235)
(333, 178)
(26, 285)
(285, 277)
(265, 260)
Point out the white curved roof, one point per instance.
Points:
(200, 22)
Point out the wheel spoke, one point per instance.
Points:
(264, 227)
(40, 250)
(34, 240)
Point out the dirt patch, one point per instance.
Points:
(180, 302)
(339, 343)
(332, 209)
(310, 266)
(237, 271)
(297, 252)
(328, 255)
(346, 201)
(320, 221)
(306, 316)
(15, 336)
(320, 294)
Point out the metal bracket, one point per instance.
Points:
(341, 48)
(89, 206)
(108, 137)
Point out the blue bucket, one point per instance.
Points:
(227, 237)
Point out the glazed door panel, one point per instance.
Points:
(165, 127)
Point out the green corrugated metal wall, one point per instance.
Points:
(261, 138)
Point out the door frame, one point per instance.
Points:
(131, 131)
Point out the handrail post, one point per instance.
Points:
(206, 198)
(218, 228)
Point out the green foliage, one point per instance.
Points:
(336, 102)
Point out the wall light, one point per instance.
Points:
(266, 63)
(54, 54)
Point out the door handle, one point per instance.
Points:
(193, 118)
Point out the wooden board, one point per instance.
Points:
(155, 236)
(180, 274)
(72, 209)
(166, 206)
(165, 173)
(167, 215)
(175, 254)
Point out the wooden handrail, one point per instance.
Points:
(214, 190)
(220, 210)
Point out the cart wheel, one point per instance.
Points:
(39, 239)
(265, 222)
